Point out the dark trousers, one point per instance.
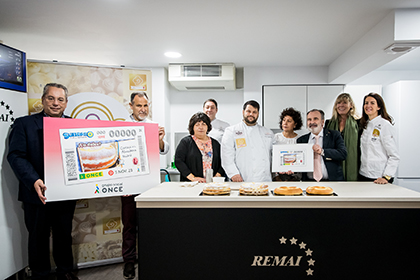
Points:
(40, 221)
(129, 233)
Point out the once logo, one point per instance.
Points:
(112, 188)
(90, 175)
(283, 261)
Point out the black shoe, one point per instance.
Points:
(129, 270)
(67, 276)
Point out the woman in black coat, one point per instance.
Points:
(197, 152)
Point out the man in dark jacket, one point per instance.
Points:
(328, 147)
(26, 157)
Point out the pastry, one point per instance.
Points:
(216, 189)
(253, 189)
(318, 190)
(98, 157)
(288, 191)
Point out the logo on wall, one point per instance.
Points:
(138, 82)
(301, 257)
(95, 106)
(6, 113)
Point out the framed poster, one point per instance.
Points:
(295, 157)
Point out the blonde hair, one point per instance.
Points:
(345, 97)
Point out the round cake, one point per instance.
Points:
(318, 190)
(98, 158)
(288, 191)
(253, 189)
(216, 189)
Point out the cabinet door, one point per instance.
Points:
(323, 97)
(277, 98)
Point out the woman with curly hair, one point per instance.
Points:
(345, 120)
(290, 120)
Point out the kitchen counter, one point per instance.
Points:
(365, 231)
(347, 195)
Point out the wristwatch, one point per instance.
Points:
(386, 177)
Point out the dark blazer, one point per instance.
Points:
(188, 158)
(26, 154)
(334, 153)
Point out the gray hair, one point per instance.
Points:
(139, 94)
(56, 85)
(317, 110)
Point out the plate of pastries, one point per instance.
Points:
(294, 191)
(216, 189)
(254, 189)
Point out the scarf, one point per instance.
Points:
(350, 165)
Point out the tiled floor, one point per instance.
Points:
(107, 272)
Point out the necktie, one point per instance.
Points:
(317, 163)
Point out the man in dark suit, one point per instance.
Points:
(26, 157)
(330, 148)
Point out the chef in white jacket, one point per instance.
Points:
(246, 148)
(379, 152)
(217, 126)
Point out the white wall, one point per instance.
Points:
(13, 233)
(160, 106)
(184, 104)
(402, 99)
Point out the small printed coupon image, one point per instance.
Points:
(97, 155)
(292, 158)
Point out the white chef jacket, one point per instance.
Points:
(246, 150)
(165, 144)
(379, 151)
(217, 129)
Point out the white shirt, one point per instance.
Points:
(379, 151)
(217, 130)
(320, 143)
(246, 150)
(279, 139)
(165, 144)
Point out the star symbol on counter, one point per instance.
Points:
(311, 262)
(7, 107)
(309, 272)
(2, 103)
(308, 252)
(283, 240)
(302, 245)
(293, 241)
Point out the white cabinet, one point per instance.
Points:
(301, 97)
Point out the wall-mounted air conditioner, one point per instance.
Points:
(207, 76)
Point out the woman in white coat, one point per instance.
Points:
(379, 158)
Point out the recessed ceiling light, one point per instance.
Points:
(173, 54)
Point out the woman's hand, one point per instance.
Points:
(199, 179)
(192, 178)
(381, 181)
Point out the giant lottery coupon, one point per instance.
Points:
(94, 158)
(103, 153)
